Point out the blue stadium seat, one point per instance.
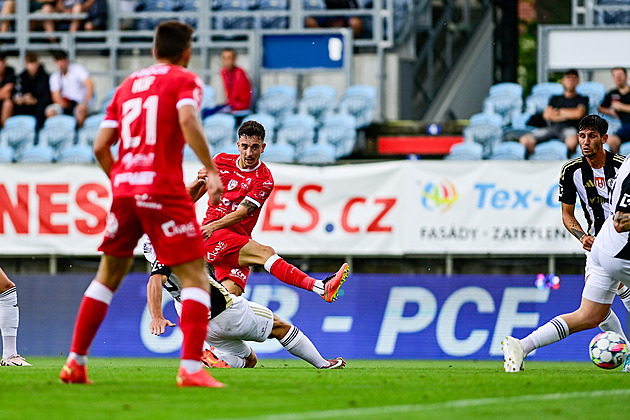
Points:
(508, 150)
(504, 103)
(188, 6)
(39, 153)
(484, 129)
(338, 130)
(228, 146)
(269, 21)
(360, 102)
(6, 154)
(154, 6)
(58, 131)
(88, 132)
(190, 155)
(508, 88)
(318, 153)
(278, 101)
(209, 99)
(18, 132)
(614, 124)
(106, 100)
(279, 152)
(233, 22)
(548, 88)
(465, 151)
(624, 149)
(318, 101)
(219, 128)
(267, 121)
(595, 92)
(550, 150)
(76, 154)
(297, 130)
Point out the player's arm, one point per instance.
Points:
(244, 209)
(196, 188)
(104, 139)
(573, 226)
(154, 301)
(194, 136)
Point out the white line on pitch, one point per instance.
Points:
(407, 408)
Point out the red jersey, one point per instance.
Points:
(238, 90)
(144, 111)
(239, 184)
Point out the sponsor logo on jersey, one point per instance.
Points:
(439, 196)
(600, 182)
(111, 226)
(210, 256)
(171, 229)
(232, 184)
(142, 200)
(134, 178)
(236, 272)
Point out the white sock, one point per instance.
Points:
(318, 287)
(9, 321)
(191, 366)
(80, 359)
(624, 294)
(554, 330)
(230, 359)
(612, 323)
(296, 343)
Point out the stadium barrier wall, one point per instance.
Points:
(377, 316)
(392, 208)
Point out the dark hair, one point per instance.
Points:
(59, 55)
(623, 69)
(593, 122)
(571, 72)
(31, 57)
(252, 129)
(172, 38)
(3, 55)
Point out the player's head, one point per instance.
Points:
(251, 143)
(592, 135)
(173, 42)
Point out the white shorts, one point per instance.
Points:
(606, 272)
(587, 270)
(243, 321)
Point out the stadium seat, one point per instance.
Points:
(58, 130)
(190, 155)
(219, 128)
(279, 152)
(106, 100)
(209, 97)
(595, 92)
(318, 153)
(76, 154)
(318, 101)
(360, 102)
(18, 132)
(504, 103)
(536, 103)
(314, 5)
(508, 88)
(39, 153)
(465, 151)
(508, 150)
(297, 130)
(269, 21)
(339, 131)
(188, 6)
(227, 146)
(88, 132)
(154, 6)
(484, 129)
(548, 88)
(6, 153)
(267, 121)
(550, 150)
(232, 22)
(278, 101)
(614, 124)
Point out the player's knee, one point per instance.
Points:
(280, 328)
(251, 360)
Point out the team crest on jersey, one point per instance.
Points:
(232, 184)
(600, 182)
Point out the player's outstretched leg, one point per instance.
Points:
(336, 363)
(513, 355)
(333, 283)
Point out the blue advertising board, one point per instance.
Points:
(377, 316)
(303, 51)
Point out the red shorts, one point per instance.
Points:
(169, 221)
(222, 252)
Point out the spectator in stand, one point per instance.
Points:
(7, 82)
(353, 22)
(35, 6)
(238, 89)
(617, 104)
(31, 95)
(76, 7)
(562, 116)
(71, 89)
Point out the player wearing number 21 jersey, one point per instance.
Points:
(153, 114)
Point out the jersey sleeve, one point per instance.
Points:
(624, 196)
(260, 191)
(566, 187)
(190, 91)
(156, 266)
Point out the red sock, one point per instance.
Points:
(90, 316)
(194, 325)
(291, 275)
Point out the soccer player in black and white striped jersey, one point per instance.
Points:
(9, 320)
(591, 177)
(608, 265)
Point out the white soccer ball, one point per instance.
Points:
(608, 350)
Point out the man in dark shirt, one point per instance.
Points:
(7, 82)
(617, 104)
(562, 116)
(31, 95)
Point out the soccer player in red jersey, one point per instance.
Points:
(228, 225)
(153, 114)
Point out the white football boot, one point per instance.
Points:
(15, 360)
(513, 355)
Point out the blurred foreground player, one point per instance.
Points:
(153, 114)
(228, 224)
(233, 320)
(9, 320)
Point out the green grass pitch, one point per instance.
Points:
(291, 389)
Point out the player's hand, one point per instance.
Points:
(207, 230)
(587, 242)
(202, 174)
(215, 188)
(158, 326)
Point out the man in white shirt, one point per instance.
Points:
(71, 89)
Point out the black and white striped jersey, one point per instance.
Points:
(592, 186)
